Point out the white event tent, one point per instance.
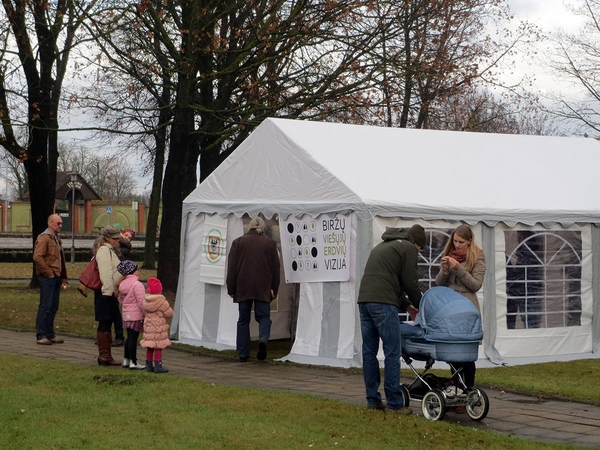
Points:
(531, 201)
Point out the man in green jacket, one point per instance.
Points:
(390, 276)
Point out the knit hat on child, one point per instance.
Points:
(154, 286)
(127, 267)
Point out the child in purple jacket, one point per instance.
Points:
(131, 297)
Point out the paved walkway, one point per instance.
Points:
(515, 415)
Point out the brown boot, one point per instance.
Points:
(104, 353)
(82, 288)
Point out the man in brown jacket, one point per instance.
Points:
(253, 278)
(49, 258)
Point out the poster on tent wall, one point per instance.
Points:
(316, 249)
(214, 247)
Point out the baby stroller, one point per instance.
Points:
(447, 328)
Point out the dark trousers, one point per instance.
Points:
(130, 350)
(262, 314)
(119, 326)
(467, 373)
(49, 301)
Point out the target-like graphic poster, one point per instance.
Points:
(316, 249)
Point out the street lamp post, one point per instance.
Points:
(73, 181)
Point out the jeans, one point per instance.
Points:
(380, 321)
(49, 300)
(262, 314)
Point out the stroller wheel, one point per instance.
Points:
(478, 404)
(405, 395)
(433, 405)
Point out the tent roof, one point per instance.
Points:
(296, 167)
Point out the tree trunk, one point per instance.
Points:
(41, 192)
(176, 186)
(152, 223)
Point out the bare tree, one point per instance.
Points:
(111, 176)
(577, 59)
(230, 65)
(484, 111)
(132, 93)
(433, 49)
(227, 65)
(14, 176)
(35, 46)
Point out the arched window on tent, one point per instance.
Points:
(543, 279)
(429, 259)
(430, 256)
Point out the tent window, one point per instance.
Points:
(543, 279)
(430, 256)
(429, 259)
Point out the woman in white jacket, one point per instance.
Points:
(463, 270)
(106, 305)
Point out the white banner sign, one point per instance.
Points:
(316, 249)
(214, 243)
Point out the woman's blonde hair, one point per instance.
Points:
(99, 242)
(473, 252)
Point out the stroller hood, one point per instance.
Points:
(447, 316)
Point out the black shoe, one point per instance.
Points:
(118, 343)
(149, 366)
(243, 358)
(262, 351)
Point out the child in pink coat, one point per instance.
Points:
(156, 329)
(131, 297)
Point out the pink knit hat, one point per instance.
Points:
(154, 286)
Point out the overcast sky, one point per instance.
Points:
(545, 13)
(550, 16)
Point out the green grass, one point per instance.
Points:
(56, 405)
(575, 380)
(23, 271)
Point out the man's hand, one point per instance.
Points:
(412, 312)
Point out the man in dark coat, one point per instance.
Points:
(253, 278)
(390, 275)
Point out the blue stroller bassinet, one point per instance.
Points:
(447, 328)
